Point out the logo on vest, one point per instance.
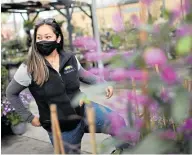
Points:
(68, 69)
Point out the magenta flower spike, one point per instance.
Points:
(119, 75)
(138, 123)
(187, 125)
(155, 56)
(94, 56)
(116, 123)
(168, 75)
(168, 135)
(87, 43)
(132, 136)
(118, 24)
(134, 74)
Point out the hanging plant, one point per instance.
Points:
(28, 25)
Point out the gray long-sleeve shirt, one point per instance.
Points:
(22, 80)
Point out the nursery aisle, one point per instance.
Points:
(36, 141)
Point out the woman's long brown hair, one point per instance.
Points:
(36, 65)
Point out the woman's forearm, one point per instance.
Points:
(12, 94)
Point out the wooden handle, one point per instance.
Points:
(91, 122)
(143, 18)
(57, 140)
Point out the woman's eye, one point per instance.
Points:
(38, 38)
(48, 37)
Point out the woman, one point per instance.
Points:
(53, 76)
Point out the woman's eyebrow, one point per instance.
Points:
(48, 34)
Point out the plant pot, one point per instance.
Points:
(19, 129)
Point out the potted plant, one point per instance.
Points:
(18, 126)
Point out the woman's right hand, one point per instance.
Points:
(35, 122)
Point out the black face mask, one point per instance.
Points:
(45, 48)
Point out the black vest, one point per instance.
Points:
(59, 89)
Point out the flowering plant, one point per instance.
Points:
(155, 92)
(9, 112)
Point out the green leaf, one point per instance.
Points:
(152, 144)
(180, 107)
(109, 144)
(184, 45)
(117, 62)
(116, 41)
(166, 14)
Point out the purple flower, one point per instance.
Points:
(189, 59)
(97, 71)
(136, 75)
(186, 126)
(175, 14)
(118, 24)
(187, 6)
(168, 75)
(119, 75)
(138, 98)
(138, 123)
(94, 56)
(155, 56)
(4, 113)
(168, 135)
(165, 96)
(184, 30)
(117, 123)
(129, 135)
(85, 43)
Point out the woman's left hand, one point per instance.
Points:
(109, 91)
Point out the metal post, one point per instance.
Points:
(96, 31)
(92, 21)
(14, 19)
(164, 6)
(70, 27)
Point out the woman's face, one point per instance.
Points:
(45, 33)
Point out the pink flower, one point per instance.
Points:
(147, 2)
(94, 56)
(187, 125)
(129, 135)
(85, 42)
(189, 59)
(155, 56)
(168, 75)
(168, 135)
(119, 75)
(187, 6)
(118, 24)
(117, 123)
(138, 98)
(175, 14)
(136, 74)
(165, 96)
(135, 20)
(97, 71)
(138, 123)
(184, 30)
